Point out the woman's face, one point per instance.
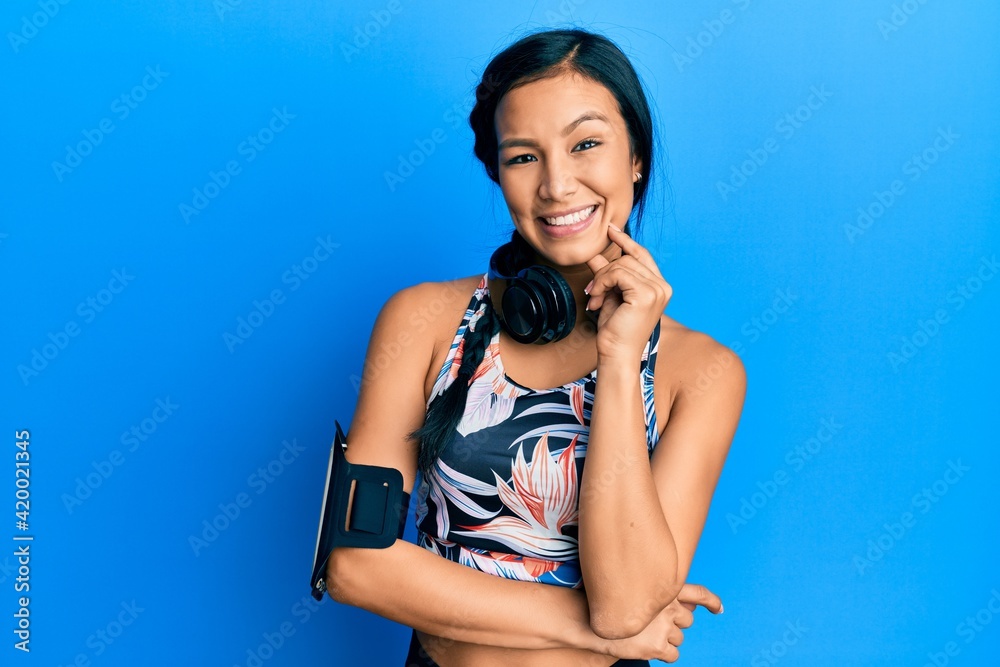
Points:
(565, 167)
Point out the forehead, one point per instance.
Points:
(550, 104)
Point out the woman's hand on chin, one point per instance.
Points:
(631, 294)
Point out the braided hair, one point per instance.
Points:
(446, 410)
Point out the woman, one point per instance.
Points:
(505, 502)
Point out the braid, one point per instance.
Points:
(446, 410)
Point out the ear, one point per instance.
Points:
(636, 166)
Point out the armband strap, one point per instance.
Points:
(363, 506)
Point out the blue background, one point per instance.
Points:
(811, 556)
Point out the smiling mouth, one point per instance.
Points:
(570, 219)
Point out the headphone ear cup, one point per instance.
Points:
(523, 311)
(566, 304)
(552, 290)
(538, 305)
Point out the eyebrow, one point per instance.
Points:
(585, 116)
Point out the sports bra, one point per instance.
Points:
(503, 495)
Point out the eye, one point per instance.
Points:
(521, 159)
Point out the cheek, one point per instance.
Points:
(516, 190)
(616, 185)
(612, 174)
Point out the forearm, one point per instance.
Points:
(627, 553)
(412, 586)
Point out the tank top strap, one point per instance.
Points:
(647, 369)
(449, 369)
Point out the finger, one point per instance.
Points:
(629, 279)
(699, 595)
(634, 265)
(675, 637)
(597, 262)
(684, 618)
(632, 247)
(630, 264)
(689, 606)
(670, 654)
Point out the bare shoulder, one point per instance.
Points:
(692, 363)
(433, 306)
(426, 316)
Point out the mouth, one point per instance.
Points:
(571, 223)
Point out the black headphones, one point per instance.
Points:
(538, 305)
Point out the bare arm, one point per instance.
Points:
(692, 450)
(640, 520)
(627, 551)
(479, 608)
(412, 586)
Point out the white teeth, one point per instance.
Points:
(572, 218)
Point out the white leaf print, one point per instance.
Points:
(484, 408)
(455, 484)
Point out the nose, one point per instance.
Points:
(558, 180)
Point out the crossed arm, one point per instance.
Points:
(414, 587)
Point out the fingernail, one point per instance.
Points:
(586, 290)
(722, 608)
(614, 227)
(589, 301)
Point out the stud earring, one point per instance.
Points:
(637, 176)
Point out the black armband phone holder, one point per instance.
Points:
(363, 506)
